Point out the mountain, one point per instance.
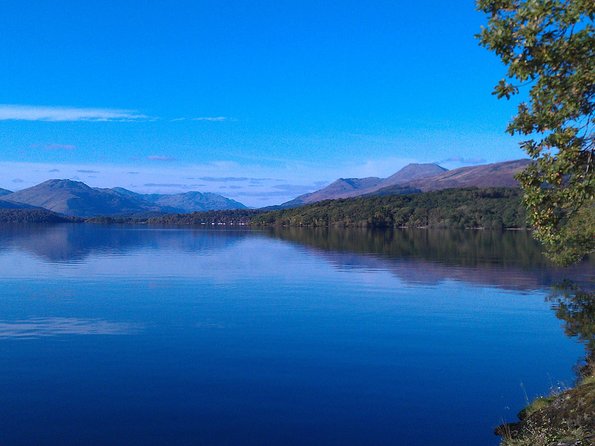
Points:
(486, 175)
(412, 172)
(183, 202)
(31, 215)
(77, 199)
(10, 205)
(341, 188)
(4, 192)
(418, 178)
(194, 202)
(353, 187)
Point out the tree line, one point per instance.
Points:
(491, 208)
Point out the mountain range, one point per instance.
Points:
(75, 198)
(418, 178)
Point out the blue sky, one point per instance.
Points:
(257, 100)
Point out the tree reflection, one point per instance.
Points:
(575, 305)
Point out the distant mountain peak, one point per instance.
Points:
(63, 182)
(418, 177)
(76, 198)
(484, 175)
(412, 172)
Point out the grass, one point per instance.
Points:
(547, 435)
(563, 419)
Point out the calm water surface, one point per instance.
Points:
(142, 336)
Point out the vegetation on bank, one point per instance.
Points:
(566, 418)
(225, 217)
(34, 216)
(491, 208)
(548, 48)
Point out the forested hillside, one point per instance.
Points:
(33, 216)
(492, 208)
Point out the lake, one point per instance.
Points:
(165, 336)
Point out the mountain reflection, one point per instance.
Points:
(75, 242)
(510, 259)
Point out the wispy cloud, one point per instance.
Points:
(461, 160)
(204, 118)
(223, 179)
(210, 118)
(160, 158)
(87, 171)
(51, 113)
(54, 146)
(297, 189)
(13, 112)
(234, 179)
(177, 185)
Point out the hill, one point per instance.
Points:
(353, 187)
(10, 205)
(417, 178)
(341, 188)
(193, 202)
(32, 215)
(183, 202)
(487, 175)
(412, 172)
(4, 192)
(493, 208)
(75, 198)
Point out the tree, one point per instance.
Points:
(548, 47)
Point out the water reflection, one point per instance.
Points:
(60, 326)
(76, 242)
(510, 260)
(296, 333)
(575, 305)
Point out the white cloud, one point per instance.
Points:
(50, 113)
(210, 118)
(203, 118)
(12, 112)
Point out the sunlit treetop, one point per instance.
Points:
(548, 47)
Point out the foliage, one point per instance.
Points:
(33, 216)
(451, 247)
(566, 418)
(224, 217)
(549, 45)
(575, 306)
(493, 208)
